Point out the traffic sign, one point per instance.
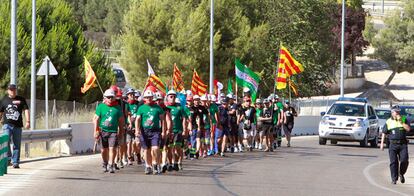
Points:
(52, 70)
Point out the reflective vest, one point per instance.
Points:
(395, 129)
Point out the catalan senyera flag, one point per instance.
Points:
(197, 85)
(90, 77)
(177, 79)
(294, 87)
(156, 82)
(281, 77)
(292, 66)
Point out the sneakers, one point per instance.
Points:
(111, 169)
(288, 145)
(256, 146)
(393, 182)
(164, 168)
(197, 155)
(116, 166)
(170, 168)
(121, 164)
(222, 154)
(16, 166)
(105, 167)
(209, 152)
(180, 166)
(260, 147)
(402, 179)
(176, 168)
(148, 170)
(235, 149)
(240, 149)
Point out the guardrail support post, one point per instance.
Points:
(47, 146)
(27, 150)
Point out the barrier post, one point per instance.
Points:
(4, 148)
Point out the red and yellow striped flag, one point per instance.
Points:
(90, 77)
(177, 79)
(197, 86)
(294, 87)
(281, 77)
(292, 66)
(156, 82)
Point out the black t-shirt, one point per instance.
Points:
(233, 117)
(13, 110)
(290, 113)
(224, 117)
(249, 113)
(198, 112)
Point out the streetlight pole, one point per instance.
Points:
(342, 49)
(33, 70)
(13, 48)
(211, 47)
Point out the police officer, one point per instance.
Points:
(396, 127)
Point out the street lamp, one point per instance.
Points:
(342, 49)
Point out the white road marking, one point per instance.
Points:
(372, 181)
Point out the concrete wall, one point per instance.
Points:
(306, 125)
(349, 84)
(82, 139)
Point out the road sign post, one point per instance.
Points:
(47, 69)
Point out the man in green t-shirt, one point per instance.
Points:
(148, 123)
(109, 126)
(278, 118)
(206, 147)
(213, 109)
(176, 129)
(132, 106)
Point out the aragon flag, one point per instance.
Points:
(90, 77)
(177, 79)
(197, 85)
(287, 67)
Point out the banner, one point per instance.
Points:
(4, 148)
(247, 78)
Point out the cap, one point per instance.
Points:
(12, 87)
(225, 100)
(222, 95)
(158, 96)
(171, 92)
(258, 101)
(109, 93)
(204, 98)
(148, 94)
(246, 90)
(287, 101)
(395, 108)
(137, 93)
(266, 101)
(230, 96)
(130, 91)
(276, 97)
(196, 97)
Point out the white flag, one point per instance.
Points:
(150, 70)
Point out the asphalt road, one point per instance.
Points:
(306, 168)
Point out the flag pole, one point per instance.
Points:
(277, 70)
(290, 91)
(99, 85)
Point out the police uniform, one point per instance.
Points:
(398, 151)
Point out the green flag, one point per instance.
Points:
(247, 78)
(230, 86)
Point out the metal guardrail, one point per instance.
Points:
(47, 135)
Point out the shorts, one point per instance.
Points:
(109, 139)
(122, 140)
(150, 138)
(287, 128)
(234, 130)
(167, 142)
(220, 133)
(265, 129)
(250, 132)
(178, 140)
(130, 136)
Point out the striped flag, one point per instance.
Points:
(90, 77)
(197, 85)
(281, 77)
(292, 66)
(294, 87)
(245, 77)
(156, 82)
(177, 79)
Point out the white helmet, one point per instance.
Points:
(171, 92)
(109, 93)
(188, 92)
(158, 96)
(148, 94)
(230, 96)
(137, 93)
(258, 101)
(196, 97)
(246, 90)
(213, 98)
(204, 97)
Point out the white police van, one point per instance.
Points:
(349, 119)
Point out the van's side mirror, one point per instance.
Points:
(323, 113)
